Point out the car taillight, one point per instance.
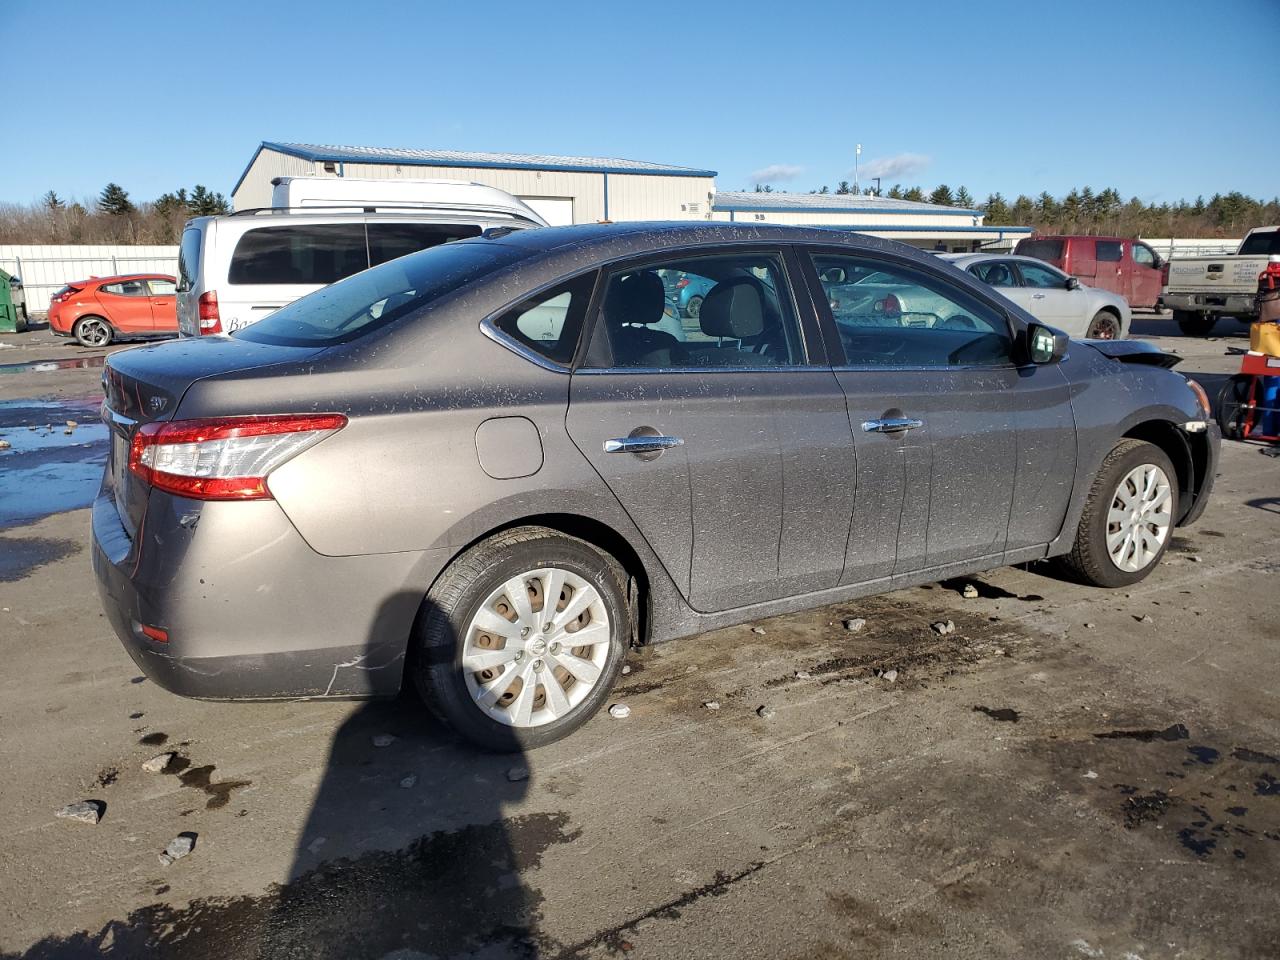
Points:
(210, 322)
(224, 458)
(1164, 274)
(682, 283)
(1269, 278)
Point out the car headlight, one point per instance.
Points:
(1202, 399)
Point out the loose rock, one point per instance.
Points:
(970, 592)
(85, 811)
(803, 675)
(1090, 775)
(619, 711)
(944, 627)
(178, 847)
(759, 630)
(407, 783)
(889, 675)
(383, 740)
(711, 704)
(626, 668)
(765, 712)
(516, 774)
(158, 763)
(1145, 618)
(855, 624)
(1196, 558)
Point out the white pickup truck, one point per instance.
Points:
(1201, 289)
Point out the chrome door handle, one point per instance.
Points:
(641, 444)
(1037, 296)
(891, 425)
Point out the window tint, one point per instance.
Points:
(161, 288)
(357, 305)
(549, 323)
(1110, 251)
(1034, 275)
(127, 288)
(310, 253)
(189, 258)
(1040, 249)
(387, 241)
(1261, 244)
(998, 274)
(905, 317)
(744, 319)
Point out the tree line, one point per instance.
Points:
(1104, 213)
(112, 217)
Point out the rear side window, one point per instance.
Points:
(373, 298)
(1050, 250)
(1261, 244)
(299, 254)
(189, 258)
(1110, 251)
(549, 323)
(127, 288)
(161, 288)
(387, 241)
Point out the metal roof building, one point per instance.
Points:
(562, 189)
(920, 224)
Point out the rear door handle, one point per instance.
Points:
(1037, 296)
(641, 444)
(891, 425)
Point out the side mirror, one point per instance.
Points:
(1045, 344)
(1073, 283)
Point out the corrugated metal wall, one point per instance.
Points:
(631, 196)
(46, 267)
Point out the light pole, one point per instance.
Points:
(856, 154)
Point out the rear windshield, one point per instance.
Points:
(373, 298)
(1261, 244)
(1049, 250)
(189, 258)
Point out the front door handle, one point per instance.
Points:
(1037, 296)
(891, 425)
(641, 444)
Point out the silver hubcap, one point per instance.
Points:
(94, 331)
(536, 647)
(1140, 518)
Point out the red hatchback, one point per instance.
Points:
(103, 309)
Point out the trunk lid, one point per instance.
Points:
(1224, 274)
(146, 384)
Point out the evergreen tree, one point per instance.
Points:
(52, 201)
(895, 192)
(996, 210)
(205, 203)
(964, 198)
(843, 187)
(942, 196)
(915, 193)
(114, 200)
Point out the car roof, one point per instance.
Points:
(132, 276)
(965, 259)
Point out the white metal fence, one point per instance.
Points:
(46, 267)
(1192, 247)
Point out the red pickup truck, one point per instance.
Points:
(1127, 267)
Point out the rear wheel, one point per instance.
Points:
(1128, 517)
(1194, 324)
(693, 308)
(521, 638)
(1235, 416)
(93, 332)
(1105, 326)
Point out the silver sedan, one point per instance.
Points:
(1050, 295)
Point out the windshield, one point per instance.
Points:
(1262, 244)
(373, 298)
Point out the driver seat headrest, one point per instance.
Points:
(636, 299)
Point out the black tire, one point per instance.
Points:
(93, 331)
(693, 308)
(1231, 406)
(1194, 324)
(454, 600)
(1104, 326)
(1089, 561)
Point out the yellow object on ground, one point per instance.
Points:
(1265, 338)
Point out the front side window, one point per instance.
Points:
(161, 288)
(387, 241)
(299, 254)
(1044, 278)
(903, 316)
(549, 323)
(739, 314)
(996, 273)
(1110, 251)
(1144, 255)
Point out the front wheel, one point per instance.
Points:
(93, 332)
(521, 639)
(1128, 517)
(1194, 324)
(693, 309)
(1105, 326)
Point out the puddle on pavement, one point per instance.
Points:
(1171, 733)
(156, 739)
(53, 366)
(21, 556)
(218, 791)
(52, 468)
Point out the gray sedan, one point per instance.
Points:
(488, 468)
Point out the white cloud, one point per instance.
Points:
(775, 172)
(888, 168)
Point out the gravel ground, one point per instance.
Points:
(1055, 778)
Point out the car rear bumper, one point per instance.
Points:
(1233, 303)
(250, 610)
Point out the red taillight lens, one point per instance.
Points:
(158, 634)
(227, 458)
(682, 283)
(210, 322)
(1164, 274)
(1269, 278)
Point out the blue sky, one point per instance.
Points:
(1161, 100)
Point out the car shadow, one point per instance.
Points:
(412, 847)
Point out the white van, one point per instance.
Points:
(233, 270)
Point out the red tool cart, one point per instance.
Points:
(1249, 405)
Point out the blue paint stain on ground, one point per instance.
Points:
(49, 470)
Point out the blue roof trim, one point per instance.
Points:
(357, 155)
(806, 208)
(906, 227)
